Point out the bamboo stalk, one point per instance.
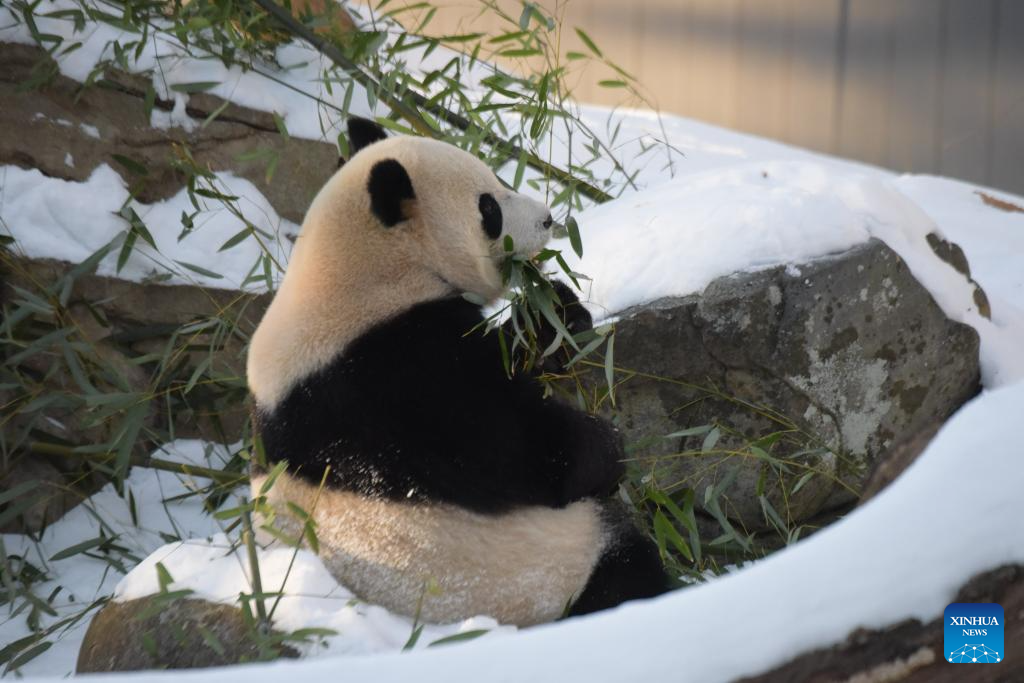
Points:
(412, 115)
(219, 476)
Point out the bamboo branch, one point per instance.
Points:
(412, 115)
(218, 476)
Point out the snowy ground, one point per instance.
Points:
(730, 202)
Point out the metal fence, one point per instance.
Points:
(925, 86)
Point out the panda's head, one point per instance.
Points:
(436, 207)
(405, 220)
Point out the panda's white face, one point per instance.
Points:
(450, 207)
(405, 220)
(525, 220)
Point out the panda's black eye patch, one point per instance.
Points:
(491, 215)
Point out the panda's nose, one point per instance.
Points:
(547, 223)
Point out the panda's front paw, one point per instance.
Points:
(577, 318)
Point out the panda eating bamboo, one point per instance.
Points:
(422, 462)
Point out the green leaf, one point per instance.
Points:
(276, 472)
(163, 577)
(710, 440)
(309, 531)
(214, 114)
(613, 84)
(231, 513)
(771, 515)
(15, 510)
(588, 42)
(520, 170)
(281, 128)
(803, 480)
(664, 530)
(574, 235)
(211, 640)
(199, 269)
(692, 431)
(78, 548)
(413, 638)
(28, 655)
(609, 367)
(131, 165)
(524, 18)
(287, 539)
(200, 86)
(200, 369)
(520, 52)
(235, 239)
(459, 637)
(19, 490)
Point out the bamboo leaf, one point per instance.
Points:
(460, 637)
(78, 548)
(276, 472)
(199, 269)
(588, 42)
(574, 235)
(199, 86)
(609, 367)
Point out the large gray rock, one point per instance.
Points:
(840, 358)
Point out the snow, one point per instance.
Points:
(45, 216)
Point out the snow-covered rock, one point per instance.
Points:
(164, 631)
(846, 355)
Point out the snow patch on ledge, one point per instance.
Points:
(70, 221)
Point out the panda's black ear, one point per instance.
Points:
(362, 133)
(390, 189)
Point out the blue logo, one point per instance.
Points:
(974, 633)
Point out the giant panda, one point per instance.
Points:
(441, 487)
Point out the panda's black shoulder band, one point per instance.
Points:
(420, 409)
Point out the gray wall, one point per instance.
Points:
(928, 86)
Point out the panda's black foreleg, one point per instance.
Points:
(630, 569)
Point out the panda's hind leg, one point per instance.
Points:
(629, 569)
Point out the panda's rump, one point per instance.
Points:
(521, 567)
